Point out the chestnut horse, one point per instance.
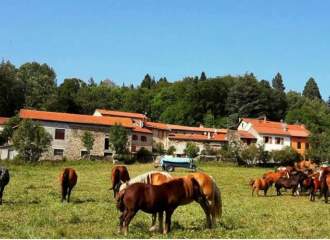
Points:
(261, 184)
(4, 180)
(324, 177)
(212, 207)
(119, 174)
(156, 199)
(276, 175)
(68, 179)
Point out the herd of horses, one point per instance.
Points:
(295, 179)
(159, 192)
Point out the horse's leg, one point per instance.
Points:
(326, 192)
(169, 213)
(265, 192)
(153, 222)
(69, 193)
(257, 191)
(206, 208)
(121, 221)
(1, 194)
(252, 190)
(128, 219)
(160, 221)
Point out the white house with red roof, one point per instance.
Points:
(275, 135)
(3, 120)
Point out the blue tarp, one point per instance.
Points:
(176, 160)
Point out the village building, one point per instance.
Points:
(276, 135)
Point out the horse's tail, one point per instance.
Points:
(252, 182)
(120, 203)
(217, 201)
(116, 178)
(65, 179)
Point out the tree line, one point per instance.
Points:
(214, 102)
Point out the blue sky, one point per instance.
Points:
(125, 40)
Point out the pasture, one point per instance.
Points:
(32, 207)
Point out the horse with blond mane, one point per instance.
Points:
(212, 205)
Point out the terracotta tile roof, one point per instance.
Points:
(245, 134)
(276, 128)
(143, 130)
(74, 118)
(121, 114)
(219, 137)
(163, 126)
(3, 120)
(196, 129)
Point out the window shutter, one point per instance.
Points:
(270, 140)
(282, 141)
(264, 139)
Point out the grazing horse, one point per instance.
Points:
(290, 183)
(4, 180)
(261, 184)
(212, 207)
(119, 174)
(68, 179)
(276, 175)
(156, 199)
(324, 176)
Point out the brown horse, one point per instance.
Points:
(4, 180)
(276, 175)
(156, 199)
(315, 185)
(212, 207)
(324, 177)
(290, 183)
(119, 175)
(261, 184)
(68, 179)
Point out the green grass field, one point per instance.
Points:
(32, 207)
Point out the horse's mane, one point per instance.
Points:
(143, 178)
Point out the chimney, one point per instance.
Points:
(265, 119)
(303, 126)
(284, 126)
(201, 125)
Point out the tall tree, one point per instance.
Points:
(278, 102)
(277, 82)
(243, 99)
(311, 90)
(203, 76)
(39, 85)
(328, 102)
(67, 94)
(148, 82)
(11, 97)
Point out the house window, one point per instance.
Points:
(307, 145)
(248, 142)
(160, 134)
(58, 152)
(143, 138)
(59, 134)
(106, 143)
(135, 137)
(299, 145)
(267, 139)
(279, 140)
(107, 154)
(84, 153)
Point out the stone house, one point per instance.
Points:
(67, 130)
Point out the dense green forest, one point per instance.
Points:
(214, 102)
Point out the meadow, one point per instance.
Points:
(32, 207)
